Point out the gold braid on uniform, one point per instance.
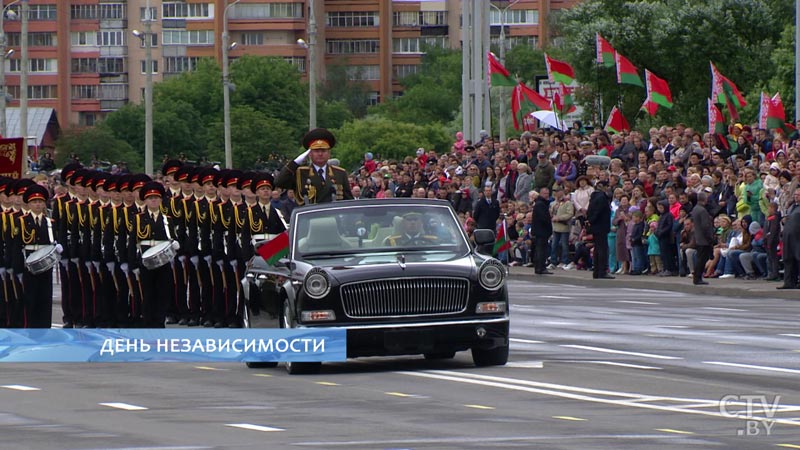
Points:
(92, 220)
(176, 213)
(222, 217)
(102, 219)
(211, 211)
(128, 224)
(114, 218)
(254, 229)
(239, 223)
(200, 217)
(139, 233)
(81, 219)
(188, 215)
(27, 238)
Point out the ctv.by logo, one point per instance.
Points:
(746, 407)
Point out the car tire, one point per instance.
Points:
(439, 356)
(254, 364)
(297, 368)
(497, 356)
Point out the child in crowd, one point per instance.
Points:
(654, 250)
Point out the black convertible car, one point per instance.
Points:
(400, 275)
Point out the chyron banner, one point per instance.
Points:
(11, 158)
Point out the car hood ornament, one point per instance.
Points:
(401, 260)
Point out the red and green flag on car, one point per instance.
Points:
(275, 249)
(501, 243)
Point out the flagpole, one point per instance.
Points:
(598, 98)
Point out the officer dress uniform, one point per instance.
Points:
(35, 232)
(70, 306)
(14, 262)
(177, 309)
(316, 185)
(135, 185)
(151, 228)
(4, 225)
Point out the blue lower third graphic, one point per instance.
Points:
(172, 345)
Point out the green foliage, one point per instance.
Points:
(386, 139)
(338, 88)
(526, 63)
(97, 140)
(333, 114)
(675, 39)
(253, 135)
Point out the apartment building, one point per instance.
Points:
(87, 57)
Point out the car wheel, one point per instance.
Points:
(254, 364)
(497, 356)
(440, 355)
(297, 368)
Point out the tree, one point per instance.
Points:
(526, 63)
(253, 135)
(341, 87)
(98, 140)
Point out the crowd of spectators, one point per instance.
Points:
(539, 186)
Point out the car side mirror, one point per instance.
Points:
(483, 236)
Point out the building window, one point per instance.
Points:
(416, 45)
(87, 119)
(84, 38)
(36, 92)
(514, 17)
(419, 18)
(84, 91)
(153, 65)
(348, 46)
(144, 16)
(34, 65)
(153, 40)
(186, 10)
(111, 65)
(188, 37)
(374, 98)
(83, 12)
(112, 11)
(268, 11)
(351, 19)
(111, 38)
(401, 71)
(252, 38)
(179, 64)
(297, 61)
(84, 65)
(513, 41)
(41, 12)
(113, 91)
(36, 39)
(364, 73)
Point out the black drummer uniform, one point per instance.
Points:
(113, 278)
(151, 229)
(135, 300)
(69, 306)
(224, 252)
(15, 261)
(4, 226)
(203, 221)
(262, 222)
(177, 309)
(96, 223)
(35, 233)
(230, 216)
(186, 234)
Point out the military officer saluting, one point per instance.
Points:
(412, 234)
(318, 182)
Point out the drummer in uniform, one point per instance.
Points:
(176, 310)
(5, 208)
(13, 261)
(225, 245)
(203, 221)
(150, 229)
(36, 237)
(320, 181)
(70, 306)
(412, 234)
(186, 233)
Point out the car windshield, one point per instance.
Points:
(377, 228)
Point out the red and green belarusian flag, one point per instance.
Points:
(627, 73)
(501, 243)
(525, 100)
(657, 90)
(773, 116)
(616, 122)
(716, 126)
(498, 75)
(650, 107)
(605, 52)
(559, 70)
(563, 103)
(275, 249)
(724, 92)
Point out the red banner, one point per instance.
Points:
(11, 158)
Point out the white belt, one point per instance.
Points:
(264, 236)
(151, 243)
(36, 247)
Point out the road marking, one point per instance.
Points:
(555, 296)
(210, 368)
(574, 419)
(19, 387)
(559, 323)
(790, 335)
(748, 366)
(479, 407)
(726, 342)
(630, 366)
(714, 308)
(525, 341)
(634, 302)
(124, 406)
(397, 394)
(620, 352)
(787, 445)
(526, 365)
(250, 426)
(327, 383)
(674, 326)
(265, 375)
(670, 430)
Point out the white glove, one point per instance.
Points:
(59, 249)
(110, 266)
(234, 263)
(195, 260)
(2, 272)
(74, 261)
(176, 245)
(19, 278)
(63, 263)
(124, 267)
(137, 272)
(300, 159)
(219, 264)
(208, 260)
(182, 259)
(96, 265)
(88, 265)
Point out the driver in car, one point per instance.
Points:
(413, 234)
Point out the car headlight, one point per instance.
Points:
(492, 274)
(317, 284)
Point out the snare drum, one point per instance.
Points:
(42, 260)
(158, 255)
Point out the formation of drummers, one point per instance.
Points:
(130, 251)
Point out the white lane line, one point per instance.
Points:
(790, 335)
(748, 366)
(558, 323)
(673, 326)
(526, 365)
(250, 426)
(525, 341)
(620, 352)
(19, 387)
(124, 406)
(634, 302)
(555, 296)
(630, 366)
(714, 308)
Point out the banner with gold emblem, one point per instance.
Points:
(11, 157)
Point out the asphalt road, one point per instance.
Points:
(589, 369)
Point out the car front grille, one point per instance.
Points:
(401, 297)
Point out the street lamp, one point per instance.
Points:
(147, 38)
(226, 86)
(3, 42)
(312, 74)
(503, 61)
(23, 84)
